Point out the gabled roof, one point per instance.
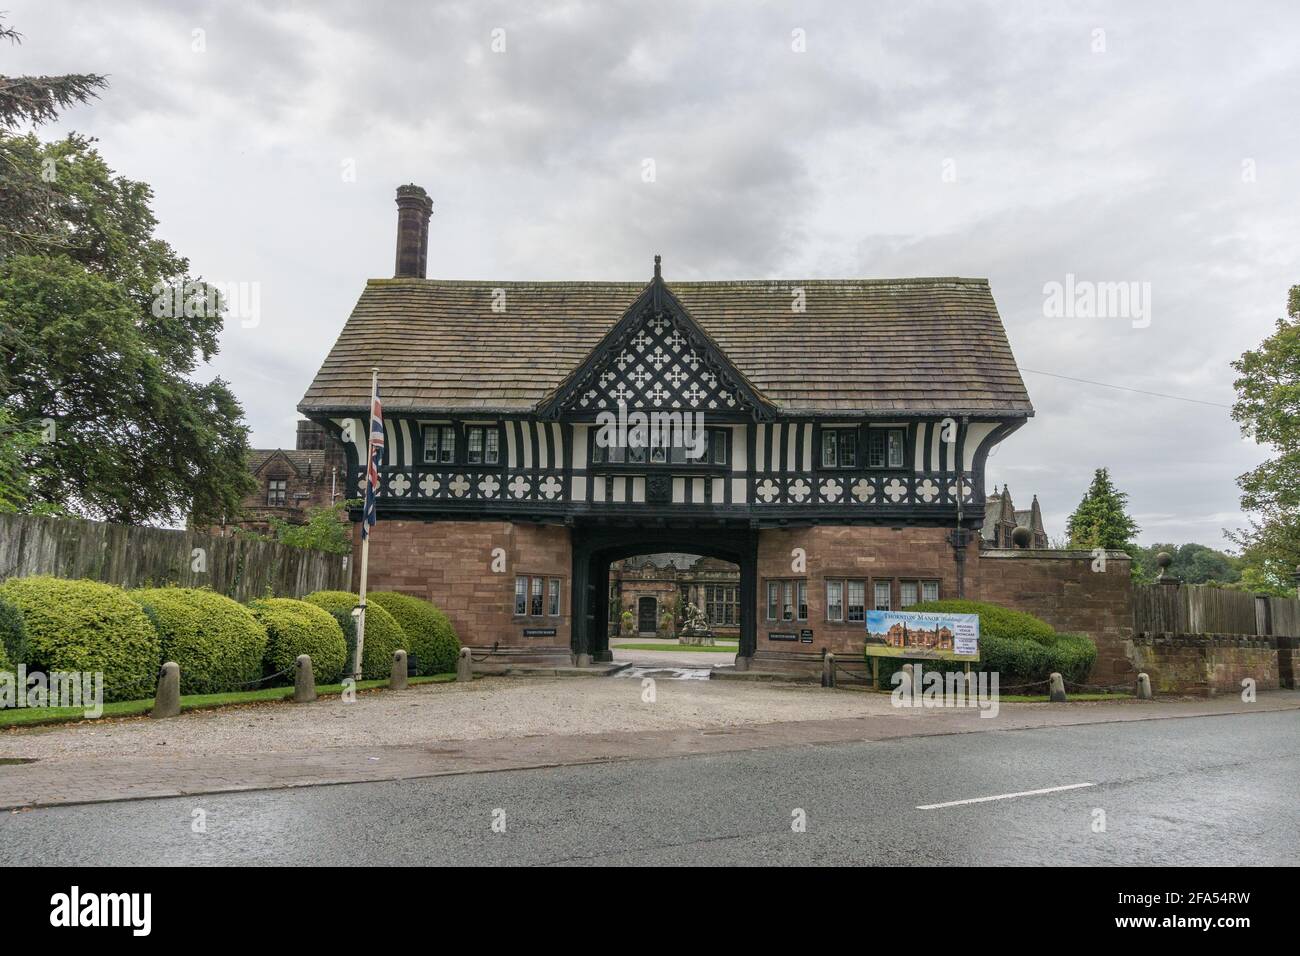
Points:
(904, 346)
(655, 334)
(299, 460)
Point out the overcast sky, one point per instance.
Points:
(1116, 142)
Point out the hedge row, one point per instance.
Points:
(1023, 649)
(56, 624)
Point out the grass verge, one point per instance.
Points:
(31, 716)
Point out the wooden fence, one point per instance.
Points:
(240, 567)
(1205, 609)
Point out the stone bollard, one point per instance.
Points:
(464, 665)
(910, 680)
(398, 679)
(167, 702)
(304, 680)
(828, 670)
(742, 662)
(1144, 687)
(582, 660)
(1057, 693)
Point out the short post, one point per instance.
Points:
(304, 680)
(167, 701)
(912, 686)
(464, 665)
(828, 670)
(582, 660)
(397, 681)
(1144, 687)
(1057, 693)
(742, 662)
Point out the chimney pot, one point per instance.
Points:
(414, 207)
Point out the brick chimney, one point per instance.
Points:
(413, 210)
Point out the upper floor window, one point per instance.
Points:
(439, 444)
(483, 445)
(839, 447)
(884, 448)
(277, 492)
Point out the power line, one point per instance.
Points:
(1124, 388)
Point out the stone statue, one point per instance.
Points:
(696, 629)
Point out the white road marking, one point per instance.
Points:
(1004, 796)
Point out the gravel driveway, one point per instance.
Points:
(489, 707)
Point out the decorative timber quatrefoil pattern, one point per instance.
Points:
(658, 367)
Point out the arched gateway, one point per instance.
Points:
(826, 436)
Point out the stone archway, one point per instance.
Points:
(596, 546)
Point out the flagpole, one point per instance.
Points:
(365, 535)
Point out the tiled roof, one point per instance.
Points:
(878, 346)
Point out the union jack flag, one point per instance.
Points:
(375, 452)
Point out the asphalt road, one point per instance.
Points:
(1209, 790)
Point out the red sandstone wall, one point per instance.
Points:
(858, 552)
(1206, 664)
(1062, 588)
(450, 564)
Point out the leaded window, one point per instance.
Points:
(857, 596)
(721, 605)
(885, 448)
(439, 444)
(839, 447)
(834, 600)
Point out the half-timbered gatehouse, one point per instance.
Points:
(839, 462)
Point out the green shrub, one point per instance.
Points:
(995, 621)
(383, 634)
(296, 627)
(4, 661)
(1023, 649)
(87, 626)
(13, 638)
(432, 639)
(1073, 656)
(217, 642)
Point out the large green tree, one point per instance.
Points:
(1268, 411)
(1102, 519)
(91, 345)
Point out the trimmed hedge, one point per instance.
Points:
(217, 642)
(1023, 649)
(87, 626)
(432, 639)
(13, 638)
(383, 634)
(297, 627)
(4, 661)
